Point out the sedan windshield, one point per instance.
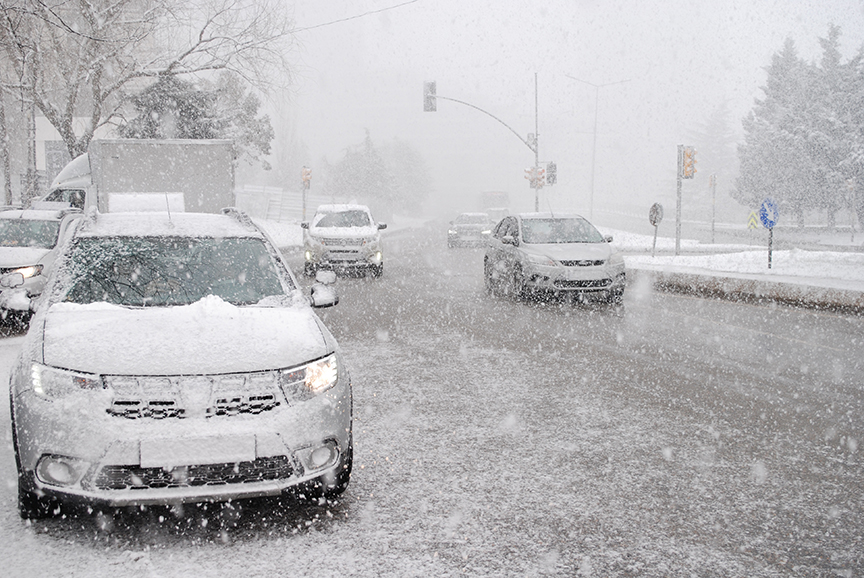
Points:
(166, 271)
(569, 230)
(28, 233)
(344, 219)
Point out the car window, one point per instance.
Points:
(575, 230)
(166, 271)
(29, 233)
(345, 219)
(500, 229)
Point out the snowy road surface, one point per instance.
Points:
(674, 437)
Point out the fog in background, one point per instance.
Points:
(680, 62)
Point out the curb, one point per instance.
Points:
(754, 290)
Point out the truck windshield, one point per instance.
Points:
(168, 271)
(28, 233)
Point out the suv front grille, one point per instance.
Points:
(342, 242)
(583, 263)
(157, 397)
(138, 478)
(583, 284)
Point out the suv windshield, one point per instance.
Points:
(467, 219)
(571, 230)
(28, 233)
(344, 219)
(166, 271)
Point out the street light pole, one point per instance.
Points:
(597, 88)
(536, 148)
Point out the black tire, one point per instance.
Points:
(517, 287)
(615, 296)
(322, 488)
(488, 282)
(32, 506)
(343, 478)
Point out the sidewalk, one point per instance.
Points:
(818, 279)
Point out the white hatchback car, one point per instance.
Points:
(535, 253)
(343, 238)
(173, 358)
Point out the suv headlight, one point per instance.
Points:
(27, 272)
(305, 382)
(50, 383)
(541, 260)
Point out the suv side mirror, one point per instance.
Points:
(323, 295)
(304, 225)
(382, 226)
(12, 280)
(608, 238)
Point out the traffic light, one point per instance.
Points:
(551, 173)
(689, 164)
(430, 103)
(306, 176)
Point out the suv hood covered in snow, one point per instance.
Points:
(207, 337)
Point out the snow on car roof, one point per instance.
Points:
(32, 214)
(161, 224)
(550, 216)
(340, 208)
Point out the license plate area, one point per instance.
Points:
(172, 452)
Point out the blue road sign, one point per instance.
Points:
(769, 213)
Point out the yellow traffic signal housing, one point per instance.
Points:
(689, 164)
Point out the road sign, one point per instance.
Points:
(753, 221)
(655, 215)
(768, 213)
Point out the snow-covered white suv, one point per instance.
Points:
(29, 242)
(343, 238)
(173, 358)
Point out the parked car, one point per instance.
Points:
(469, 229)
(173, 358)
(541, 253)
(29, 242)
(343, 238)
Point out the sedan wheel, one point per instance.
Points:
(518, 290)
(488, 281)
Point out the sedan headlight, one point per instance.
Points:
(305, 382)
(51, 383)
(27, 272)
(541, 260)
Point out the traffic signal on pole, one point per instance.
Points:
(551, 173)
(306, 176)
(430, 103)
(689, 164)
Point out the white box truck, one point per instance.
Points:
(195, 176)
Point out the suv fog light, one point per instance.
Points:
(320, 457)
(60, 470)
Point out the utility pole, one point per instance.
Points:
(430, 104)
